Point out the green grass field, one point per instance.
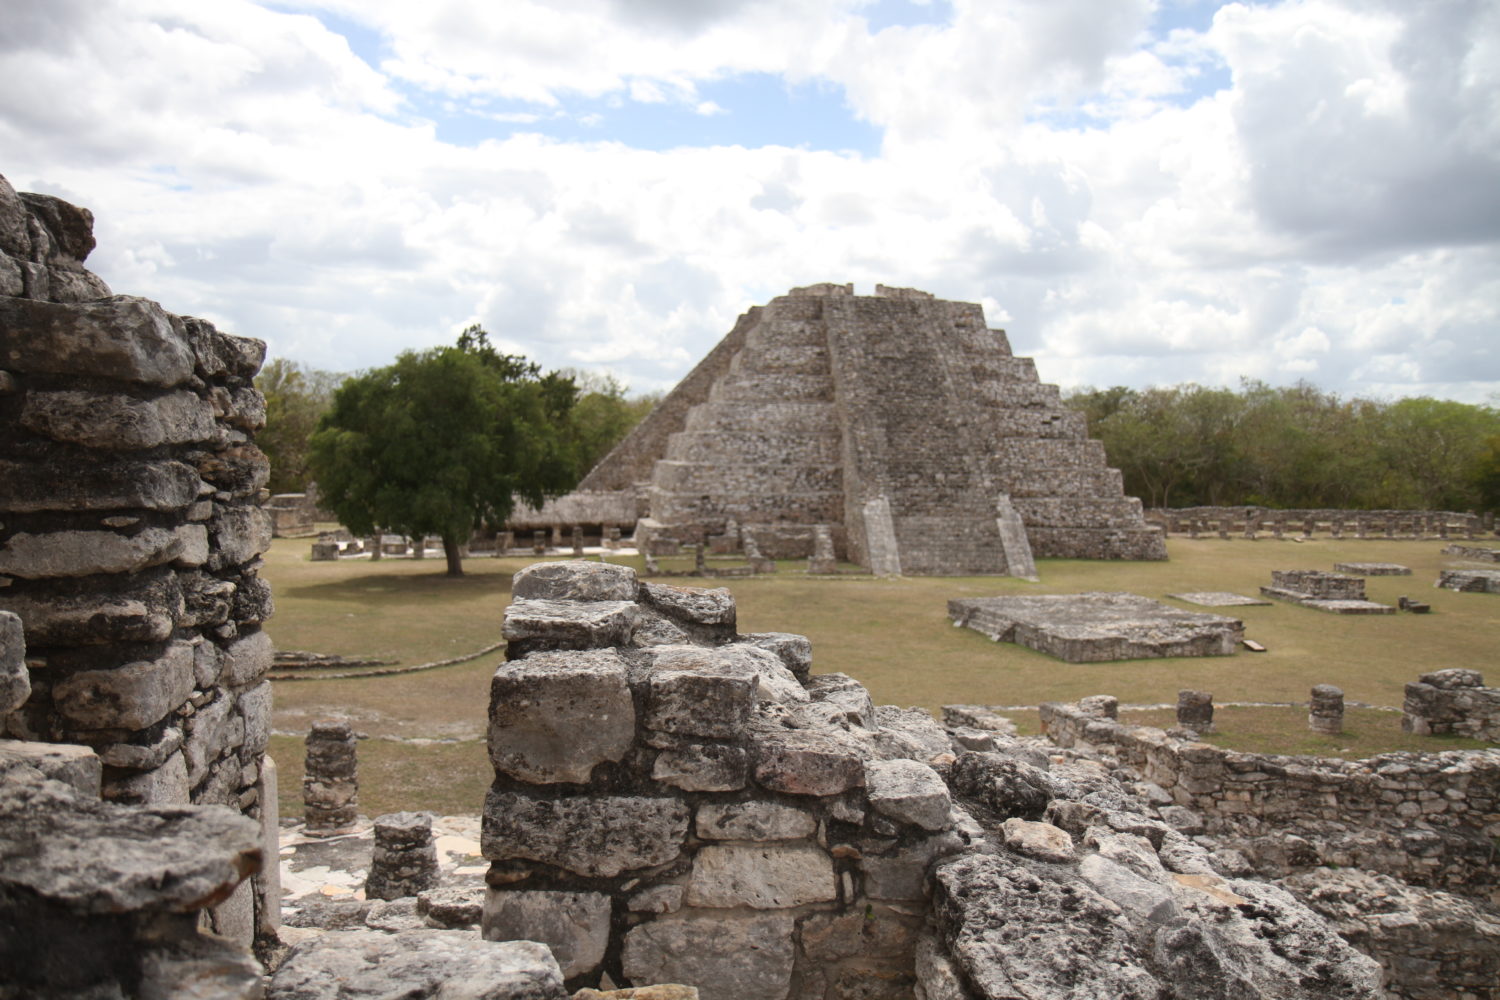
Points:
(892, 635)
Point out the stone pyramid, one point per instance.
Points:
(899, 420)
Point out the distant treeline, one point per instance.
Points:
(1296, 446)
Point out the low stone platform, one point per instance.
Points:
(1335, 593)
(1098, 627)
(1372, 569)
(1476, 581)
(1480, 553)
(1218, 599)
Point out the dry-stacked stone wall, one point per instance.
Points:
(130, 531)
(1241, 521)
(1430, 819)
(1453, 701)
(675, 802)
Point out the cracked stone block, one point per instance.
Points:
(1042, 841)
(742, 957)
(908, 791)
(702, 767)
(554, 715)
(600, 835)
(534, 624)
(764, 877)
(574, 925)
(15, 678)
(132, 696)
(805, 762)
(574, 581)
(753, 820)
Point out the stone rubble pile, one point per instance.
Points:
(131, 535)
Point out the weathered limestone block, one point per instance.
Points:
(847, 695)
(703, 767)
(132, 696)
(15, 679)
(404, 859)
(691, 691)
(247, 659)
(597, 836)
(808, 762)
(554, 715)
(753, 820)
(117, 421)
(209, 734)
(575, 581)
(83, 553)
(709, 614)
(795, 651)
(908, 791)
(78, 767)
(901, 872)
(1042, 841)
(453, 906)
(728, 956)
(166, 785)
(141, 607)
(106, 485)
(122, 338)
(416, 964)
(239, 534)
(1010, 787)
(764, 877)
(574, 925)
(1195, 710)
(533, 624)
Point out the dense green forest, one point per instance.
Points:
(1295, 446)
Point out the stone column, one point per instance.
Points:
(325, 551)
(557, 536)
(1336, 527)
(612, 537)
(1361, 528)
(1195, 711)
(822, 561)
(1276, 527)
(539, 542)
(577, 540)
(1194, 526)
(1105, 706)
(1224, 527)
(1325, 713)
(1308, 527)
(1390, 527)
(330, 784)
(505, 542)
(404, 860)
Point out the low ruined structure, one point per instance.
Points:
(1335, 593)
(1218, 599)
(1478, 553)
(1453, 701)
(1249, 522)
(130, 487)
(1195, 711)
(898, 419)
(404, 860)
(1325, 711)
(1096, 627)
(1372, 569)
(1470, 581)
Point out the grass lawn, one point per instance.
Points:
(892, 635)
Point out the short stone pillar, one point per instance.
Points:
(1276, 528)
(325, 551)
(330, 782)
(757, 560)
(612, 537)
(1390, 527)
(1308, 527)
(1105, 706)
(539, 542)
(822, 561)
(505, 542)
(700, 558)
(1195, 711)
(1361, 528)
(419, 547)
(1442, 527)
(1194, 526)
(1336, 528)
(577, 540)
(1325, 713)
(1224, 527)
(404, 860)
(557, 536)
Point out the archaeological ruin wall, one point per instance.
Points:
(898, 420)
(130, 533)
(1452, 702)
(1430, 819)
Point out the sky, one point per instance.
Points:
(1140, 192)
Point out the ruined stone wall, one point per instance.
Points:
(1453, 701)
(1429, 819)
(131, 534)
(674, 802)
(1402, 523)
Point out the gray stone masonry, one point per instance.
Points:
(1195, 711)
(1308, 523)
(1096, 627)
(1471, 581)
(822, 403)
(676, 802)
(330, 779)
(1335, 593)
(1372, 569)
(1325, 711)
(1452, 701)
(1479, 553)
(404, 860)
(131, 529)
(1427, 818)
(105, 900)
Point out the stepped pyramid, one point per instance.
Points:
(899, 420)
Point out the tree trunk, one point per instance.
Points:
(454, 556)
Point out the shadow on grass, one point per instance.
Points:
(401, 586)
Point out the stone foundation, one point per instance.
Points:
(1453, 701)
(1098, 627)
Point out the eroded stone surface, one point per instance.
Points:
(574, 925)
(753, 820)
(601, 835)
(763, 877)
(416, 965)
(908, 791)
(1096, 627)
(580, 581)
(553, 716)
(727, 956)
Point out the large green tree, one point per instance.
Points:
(296, 398)
(445, 440)
(604, 414)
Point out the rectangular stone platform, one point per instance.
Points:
(1478, 581)
(1218, 599)
(1098, 627)
(1372, 569)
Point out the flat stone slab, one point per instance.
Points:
(1098, 627)
(1479, 581)
(1330, 605)
(1218, 599)
(1372, 569)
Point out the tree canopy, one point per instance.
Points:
(1295, 446)
(446, 440)
(296, 398)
